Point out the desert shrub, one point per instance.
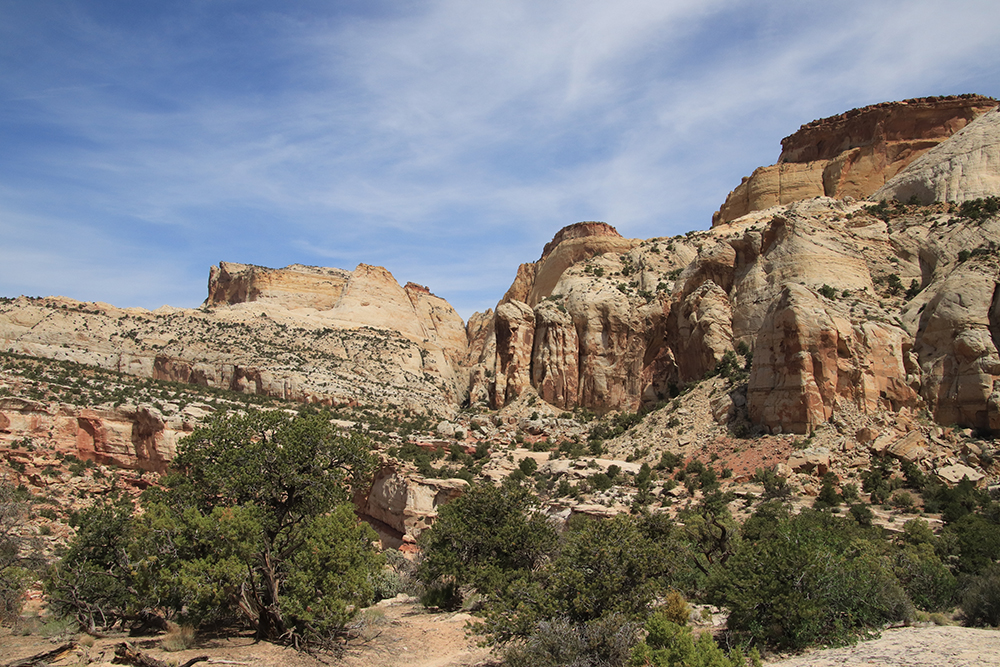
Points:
(710, 531)
(902, 500)
(668, 644)
(775, 486)
(827, 496)
(918, 566)
(442, 593)
(676, 609)
(954, 502)
(978, 209)
(604, 642)
(828, 292)
(18, 558)
(600, 481)
(974, 542)
(177, 638)
(862, 514)
(914, 477)
(528, 466)
(981, 599)
(807, 579)
(668, 461)
(605, 567)
(485, 539)
(386, 583)
(93, 582)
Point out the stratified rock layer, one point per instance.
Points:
(826, 303)
(300, 333)
(963, 168)
(853, 154)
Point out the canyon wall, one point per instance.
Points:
(852, 154)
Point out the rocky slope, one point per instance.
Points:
(838, 303)
(853, 154)
(301, 333)
(816, 290)
(965, 168)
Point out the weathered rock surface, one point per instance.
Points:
(829, 303)
(853, 154)
(966, 166)
(582, 326)
(134, 437)
(815, 290)
(301, 333)
(406, 503)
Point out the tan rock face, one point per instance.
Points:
(853, 154)
(300, 333)
(793, 382)
(965, 167)
(591, 332)
(138, 438)
(814, 288)
(555, 370)
(515, 335)
(294, 286)
(956, 344)
(570, 245)
(407, 504)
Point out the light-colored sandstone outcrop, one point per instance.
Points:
(134, 437)
(591, 331)
(853, 154)
(300, 333)
(294, 286)
(966, 166)
(808, 356)
(407, 503)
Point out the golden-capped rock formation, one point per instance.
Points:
(853, 154)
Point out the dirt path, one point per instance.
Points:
(406, 634)
(401, 633)
(398, 632)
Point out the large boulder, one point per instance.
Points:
(405, 503)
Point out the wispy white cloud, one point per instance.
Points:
(447, 140)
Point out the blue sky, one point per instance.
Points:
(142, 142)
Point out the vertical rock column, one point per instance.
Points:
(555, 359)
(515, 336)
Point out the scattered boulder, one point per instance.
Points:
(953, 474)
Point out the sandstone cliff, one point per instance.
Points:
(842, 305)
(301, 333)
(836, 302)
(964, 168)
(853, 154)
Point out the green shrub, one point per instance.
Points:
(255, 528)
(485, 539)
(929, 583)
(981, 599)
(828, 292)
(606, 641)
(975, 540)
(528, 466)
(668, 644)
(676, 609)
(808, 579)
